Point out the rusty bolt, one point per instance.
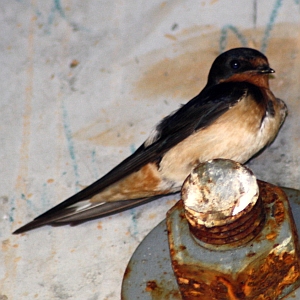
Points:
(232, 237)
(221, 203)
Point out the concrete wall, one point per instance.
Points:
(82, 84)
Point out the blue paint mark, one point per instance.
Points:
(56, 8)
(134, 222)
(12, 204)
(28, 202)
(44, 196)
(267, 34)
(11, 214)
(71, 148)
(132, 148)
(94, 164)
(270, 25)
(224, 37)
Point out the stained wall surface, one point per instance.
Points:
(82, 85)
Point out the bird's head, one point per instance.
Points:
(240, 64)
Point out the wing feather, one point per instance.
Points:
(197, 114)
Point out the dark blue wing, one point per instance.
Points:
(197, 114)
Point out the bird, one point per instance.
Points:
(235, 116)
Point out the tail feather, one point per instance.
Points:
(75, 215)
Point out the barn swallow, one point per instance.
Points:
(234, 117)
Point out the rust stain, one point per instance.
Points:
(278, 212)
(112, 136)
(74, 63)
(151, 286)
(17, 259)
(180, 77)
(10, 258)
(6, 245)
(251, 254)
(177, 77)
(238, 230)
(99, 225)
(127, 272)
(171, 37)
(122, 134)
(261, 280)
(159, 290)
(271, 236)
(184, 75)
(163, 4)
(230, 289)
(152, 216)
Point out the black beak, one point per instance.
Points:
(265, 70)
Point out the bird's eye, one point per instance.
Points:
(235, 64)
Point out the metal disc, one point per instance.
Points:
(149, 274)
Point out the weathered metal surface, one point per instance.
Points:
(149, 275)
(218, 192)
(242, 230)
(266, 268)
(222, 203)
